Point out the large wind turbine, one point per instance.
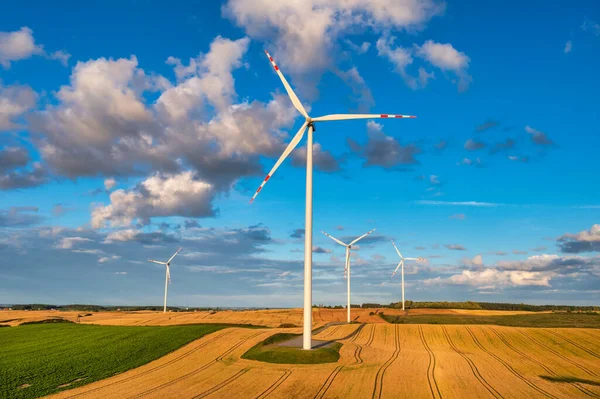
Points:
(347, 264)
(167, 274)
(309, 123)
(402, 259)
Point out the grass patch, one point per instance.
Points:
(542, 320)
(287, 325)
(569, 380)
(36, 359)
(268, 351)
(47, 321)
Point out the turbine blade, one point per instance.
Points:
(400, 263)
(399, 254)
(287, 151)
(347, 264)
(361, 237)
(412, 258)
(156, 261)
(169, 273)
(288, 88)
(174, 255)
(343, 117)
(334, 239)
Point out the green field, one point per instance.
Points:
(268, 351)
(541, 320)
(45, 356)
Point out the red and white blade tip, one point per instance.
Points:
(397, 116)
(272, 60)
(260, 187)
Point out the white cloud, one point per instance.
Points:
(14, 102)
(105, 259)
(70, 242)
(20, 45)
(399, 57)
(109, 183)
(447, 58)
(17, 45)
(304, 32)
(568, 47)
(159, 195)
(121, 235)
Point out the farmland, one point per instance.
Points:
(377, 360)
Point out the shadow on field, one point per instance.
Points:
(569, 380)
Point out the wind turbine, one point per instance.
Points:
(347, 267)
(309, 123)
(402, 259)
(167, 274)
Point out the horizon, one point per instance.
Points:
(122, 145)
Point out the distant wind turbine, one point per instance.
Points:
(309, 124)
(167, 274)
(347, 267)
(402, 259)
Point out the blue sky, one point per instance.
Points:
(128, 130)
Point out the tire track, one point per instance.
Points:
(430, 368)
(370, 340)
(509, 367)
(146, 372)
(586, 350)
(358, 349)
(331, 331)
(575, 385)
(199, 369)
(378, 385)
(327, 384)
(357, 333)
(558, 354)
(222, 384)
(275, 385)
(472, 365)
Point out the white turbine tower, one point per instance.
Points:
(167, 274)
(402, 259)
(347, 264)
(309, 124)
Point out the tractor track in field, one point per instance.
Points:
(222, 384)
(275, 385)
(586, 350)
(358, 349)
(430, 368)
(330, 331)
(199, 369)
(371, 336)
(575, 385)
(472, 365)
(378, 385)
(509, 367)
(146, 372)
(327, 384)
(558, 354)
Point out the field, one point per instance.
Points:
(41, 358)
(377, 360)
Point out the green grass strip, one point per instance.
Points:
(268, 351)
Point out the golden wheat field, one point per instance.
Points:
(377, 360)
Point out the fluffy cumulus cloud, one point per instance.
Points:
(17, 45)
(584, 241)
(383, 150)
(447, 58)
(180, 194)
(15, 101)
(13, 157)
(304, 32)
(20, 45)
(538, 270)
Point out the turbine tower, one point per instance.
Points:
(309, 123)
(347, 266)
(402, 259)
(167, 274)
